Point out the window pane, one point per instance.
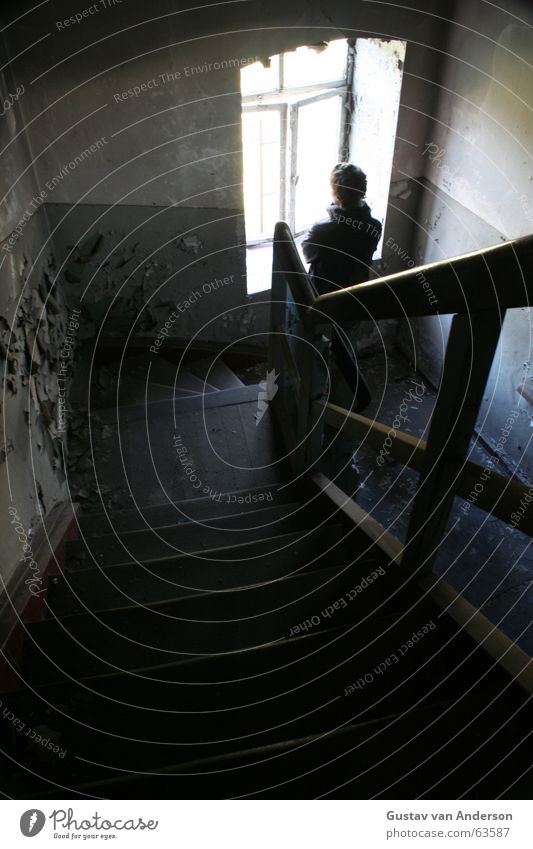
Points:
(270, 213)
(256, 79)
(305, 66)
(317, 153)
(261, 136)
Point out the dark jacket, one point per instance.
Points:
(340, 248)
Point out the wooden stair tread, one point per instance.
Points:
(193, 509)
(207, 623)
(190, 537)
(99, 589)
(216, 372)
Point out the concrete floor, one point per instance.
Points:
(487, 561)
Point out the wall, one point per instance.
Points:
(128, 267)
(172, 146)
(445, 228)
(478, 191)
(130, 131)
(128, 136)
(377, 88)
(33, 323)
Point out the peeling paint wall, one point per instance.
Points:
(141, 264)
(33, 322)
(138, 140)
(479, 192)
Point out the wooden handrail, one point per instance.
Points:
(496, 494)
(488, 279)
(503, 651)
(477, 288)
(379, 536)
(405, 448)
(287, 261)
(288, 270)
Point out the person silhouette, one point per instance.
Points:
(339, 248)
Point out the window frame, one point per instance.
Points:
(279, 107)
(291, 197)
(283, 98)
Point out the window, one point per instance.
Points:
(284, 156)
(303, 112)
(263, 170)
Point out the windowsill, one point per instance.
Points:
(259, 264)
(260, 243)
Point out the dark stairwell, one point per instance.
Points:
(233, 632)
(229, 608)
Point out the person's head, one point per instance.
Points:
(348, 185)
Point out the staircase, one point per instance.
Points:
(248, 642)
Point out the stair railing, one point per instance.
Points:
(477, 288)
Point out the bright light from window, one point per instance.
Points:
(294, 133)
(317, 153)
(305, 66)
(261, 137)
(255, 79)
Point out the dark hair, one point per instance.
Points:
(348, 184)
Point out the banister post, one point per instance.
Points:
(338, 447)
(470, 352)
(294, 348)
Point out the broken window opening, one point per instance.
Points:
(302, 112)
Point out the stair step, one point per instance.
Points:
(138, 452)
(294, 681)
(143, 376)
(161, 371)
(195, 509)
(192, 403)
(198, 624)
(149, 545)
(292, 549)
(436, 752)
(134, 392)
(135, 375)
(189, 382)
(103, 589)
(262, 697)
(216, 372)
